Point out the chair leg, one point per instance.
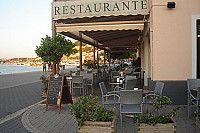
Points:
(86, 90)
(197, 106)
(120, 115)
(188, 106)
(188, 109)
(83, 91)
(72, 92)
(121, 121)
(92, 89)
(102, 101)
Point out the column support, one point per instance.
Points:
(53, 35)
(80, 51)
(94, 55)
(109, 58)
(104, 56)
(97, 56)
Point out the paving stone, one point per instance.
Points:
(23, 93)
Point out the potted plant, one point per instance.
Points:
(91, 117)
(44, 86)
(158, 121)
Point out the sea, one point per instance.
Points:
(13, 68)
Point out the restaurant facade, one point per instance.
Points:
(164, 33)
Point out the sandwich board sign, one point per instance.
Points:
(58, 92)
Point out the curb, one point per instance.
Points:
(26, 123)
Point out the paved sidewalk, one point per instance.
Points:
(38, 120)
(19, 91)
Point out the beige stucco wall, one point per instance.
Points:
(146, 61)
(145, 55)
(171, 39)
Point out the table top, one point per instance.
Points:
(68, 78)
(115, 83)
(85, 78)
(116, 76)
(136, 72)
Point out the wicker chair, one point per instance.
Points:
(193, 94)
(130, 102)
(105, 95)
(157, 92)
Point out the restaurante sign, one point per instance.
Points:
(80, 9)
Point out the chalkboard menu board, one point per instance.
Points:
(58, 92)
(55, 86)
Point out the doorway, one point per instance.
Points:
(198, 48)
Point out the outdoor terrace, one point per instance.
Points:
(53, 122)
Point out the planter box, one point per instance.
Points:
(158, 128)
(197, 123)
(98, 127)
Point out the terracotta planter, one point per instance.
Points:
(158, 128)
(197, 123)
(98, 127)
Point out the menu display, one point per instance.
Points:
(55, 86)
(58, 92)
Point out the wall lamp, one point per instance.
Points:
(171, 5)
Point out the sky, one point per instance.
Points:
(22, 25)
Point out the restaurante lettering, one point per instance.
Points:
(110, 6)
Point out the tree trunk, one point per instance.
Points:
(57, 70)
(54, 68)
